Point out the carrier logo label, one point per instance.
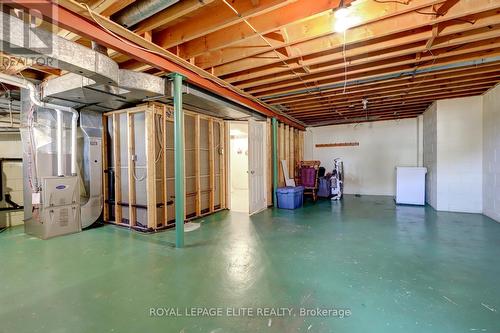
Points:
(60, 187)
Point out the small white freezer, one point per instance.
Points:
(410, 185)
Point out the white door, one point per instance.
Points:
(256, 166)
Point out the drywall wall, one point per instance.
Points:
(453, 154)
(491, 153)
(430, 154)
(12, 179)
(370, 167)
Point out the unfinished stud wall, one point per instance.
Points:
(290, 148)
(139, 167)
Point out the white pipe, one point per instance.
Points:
(74, 123)
(59, 134)
(23, 83)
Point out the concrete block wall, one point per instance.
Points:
(491, 153)
(453, 149)
(430, 154)
(460, 154)
(369, 168)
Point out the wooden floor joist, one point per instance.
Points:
(288, 54)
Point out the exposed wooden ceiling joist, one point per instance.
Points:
(421, 78)
(169, 15)
(355, 97)
(400, 55)
(207, 24)
(370, 37)
(265, 23)
(319, 29)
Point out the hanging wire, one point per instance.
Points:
(394, 1)
(345, 61)
(184, 63)
(279, 56)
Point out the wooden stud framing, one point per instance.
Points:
(286, 156)
(131, 167)
(155, 115)
(291, 163)
(281, 153)
(222, 173)
(197, 164)
(117, 168)
(164, 180)
(269, 169)
(227, 139)
(301, 146)
(105, 167)
(211, 163)
(151, 170)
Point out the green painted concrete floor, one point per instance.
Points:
(396, 268)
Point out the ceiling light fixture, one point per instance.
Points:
(343, 18)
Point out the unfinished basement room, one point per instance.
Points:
(250, 166)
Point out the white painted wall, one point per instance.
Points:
(238, 167)
(460, 154)
(420, 142)
(369, 168)
(430, 154)
(453, 141)
(491, 153)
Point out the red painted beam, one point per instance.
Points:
(79, 25)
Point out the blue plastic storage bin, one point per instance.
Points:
(290, 197)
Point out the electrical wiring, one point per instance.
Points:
(269, 44)
(140, 179)
(186, 64)
(416, 68)
(425, 13)
(393, 1)
(345, 61)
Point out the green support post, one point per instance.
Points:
(179, 160)
(275, 161)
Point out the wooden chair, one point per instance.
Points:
(307, 176)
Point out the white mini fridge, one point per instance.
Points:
(410, 185)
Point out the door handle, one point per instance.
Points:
(252, 172)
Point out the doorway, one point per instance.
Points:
(238, 166)
(247, 165)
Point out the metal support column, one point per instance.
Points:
(179, 160)
(275, 161)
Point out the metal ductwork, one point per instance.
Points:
(141, 10)
(59, 109)
(200, 100)
(55, 51)
(83, 93)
